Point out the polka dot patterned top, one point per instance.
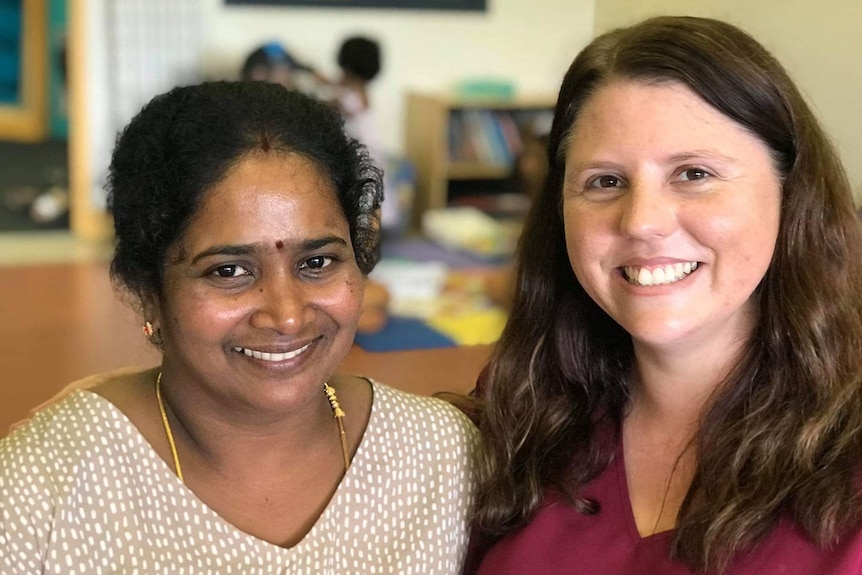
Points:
(82, 492)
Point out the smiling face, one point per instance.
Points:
(262, 292)
(671, 214)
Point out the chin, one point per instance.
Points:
(657, 333)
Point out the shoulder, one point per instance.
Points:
(421, 411)
(426, 425)
(79, 410)
(46, 459)
(124, 386)
(425, 443)
(78, 422)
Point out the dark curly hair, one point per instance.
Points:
(360, 56)
(782, 436)
(183, 143)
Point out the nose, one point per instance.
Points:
(647, 211)
(280, 304)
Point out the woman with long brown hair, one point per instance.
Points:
(678, 387)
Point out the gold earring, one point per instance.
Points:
(153, 334)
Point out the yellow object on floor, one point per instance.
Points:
(471, 327)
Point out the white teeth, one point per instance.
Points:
(272, 356)
(644, 277)
(658, 276)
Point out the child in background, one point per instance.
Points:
(359, 60)
(271, 62)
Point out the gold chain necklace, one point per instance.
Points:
(337, 412)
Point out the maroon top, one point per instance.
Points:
(559, 540)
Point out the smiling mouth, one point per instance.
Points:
(662, 275)
(266, 356)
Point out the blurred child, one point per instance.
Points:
(360, 62)
(271, 62)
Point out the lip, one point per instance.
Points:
(658, 265)
(275, 355)
(653, 262)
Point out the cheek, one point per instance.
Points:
(206, 313)
(757, 250)
(743, 246)
(585, 242)
(354, 295)
(343, 299)
(746, 236)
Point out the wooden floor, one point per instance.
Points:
(60, 321)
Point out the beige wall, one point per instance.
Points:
(423, 50)
(819, 42)
(430, 50)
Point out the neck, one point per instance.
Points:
(221, 439)
(674, 394)
(674, 383)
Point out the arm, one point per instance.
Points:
(26, 506)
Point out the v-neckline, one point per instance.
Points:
(317, 532)
(619, 465)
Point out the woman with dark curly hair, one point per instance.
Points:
(246, 221)
(679, 387)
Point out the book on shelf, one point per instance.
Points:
(492, 137)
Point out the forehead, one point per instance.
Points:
(651, 113)
(268, 197)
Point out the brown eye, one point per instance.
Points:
(693, 174)
(605, 181)
(316, 263)
(230, 271)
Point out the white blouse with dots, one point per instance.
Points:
(82, 492)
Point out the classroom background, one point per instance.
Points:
(454, 83)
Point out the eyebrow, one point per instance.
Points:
(246, 249)
(577, 167)
(696, 154)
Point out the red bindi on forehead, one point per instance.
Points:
(279, 244)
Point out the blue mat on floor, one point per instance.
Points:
(403, 333)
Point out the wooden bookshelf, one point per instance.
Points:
(27, 121)
(429, 142)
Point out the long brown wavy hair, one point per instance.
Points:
(782, 436)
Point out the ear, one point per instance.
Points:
(151, 309)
